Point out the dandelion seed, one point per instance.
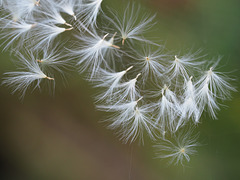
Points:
(122, 112)
(111, 80)
(181, 149)
(167, 109)
(16, 31)
(189, 106)
(149, 63)
(129, 26)
(92, 52)
(135, 126)
(127, 90)
(51, 59)
(218, 83)
(205, 97)
(212, 86)
(22, 80)
(181, 67)
(45, 34)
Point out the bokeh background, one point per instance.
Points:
(60, 137)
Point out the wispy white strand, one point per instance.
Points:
(19, 31)
(71, 7)
(90, 11)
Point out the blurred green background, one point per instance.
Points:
(60, 137)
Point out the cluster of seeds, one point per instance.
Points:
(144, 89)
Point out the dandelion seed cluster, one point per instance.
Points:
(144, 89)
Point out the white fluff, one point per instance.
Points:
(137, 124)
(109, 80)
(51, 14)
(205, 97)
(92, 52)
(45, 34)
(71, 7)
(127, 90)
(22, 8)
(18, 31)
(181, 67)
(129, 26)
(218, 83)
(22, 80)
(183, 146)
(150, 63)
(130, 120)
(189, 107)
(167, 109)
(121, 112)
(52, 60)
(211, 87)
(90, 12)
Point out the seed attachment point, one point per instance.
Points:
(37, 3)
(68, 29)
(123, 41)
(49, 78)
(74, 16)
(69, 25)
(129, 68)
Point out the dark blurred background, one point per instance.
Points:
(60, 137)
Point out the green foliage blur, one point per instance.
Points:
(61, 137)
